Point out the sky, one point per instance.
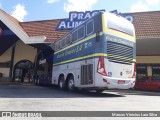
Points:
(35, 10)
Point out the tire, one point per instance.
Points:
(61, 83)
(70, 84)
(99, 91)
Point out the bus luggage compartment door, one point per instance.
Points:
(87, 75)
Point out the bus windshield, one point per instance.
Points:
(116, 24)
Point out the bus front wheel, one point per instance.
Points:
(71, 86)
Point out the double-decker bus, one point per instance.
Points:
(99, 54)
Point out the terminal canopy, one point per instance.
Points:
(11, 31)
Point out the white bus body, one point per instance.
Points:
(99, 54)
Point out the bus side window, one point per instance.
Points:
(68, 39)
(58, 45)
(63, 42)
(74, 36)
(53, 46)
(81, 32)
(89, 27)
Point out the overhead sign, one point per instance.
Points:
(78, 18)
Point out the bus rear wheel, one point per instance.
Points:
(70, 84)
(61, 83)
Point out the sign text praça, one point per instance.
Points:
(78, 18)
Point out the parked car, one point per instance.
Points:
(148, 83)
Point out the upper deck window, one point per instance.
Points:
(63, 42)
(74, 36)
(81, 32)
(90, 27)
(58, 45)
(68, 39)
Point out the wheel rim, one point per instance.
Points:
(71, 84)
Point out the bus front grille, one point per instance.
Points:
(119, 53)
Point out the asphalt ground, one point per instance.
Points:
(28, 97)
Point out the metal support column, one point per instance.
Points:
(12, 62)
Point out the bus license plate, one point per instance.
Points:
(121, 81)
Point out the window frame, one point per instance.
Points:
(87, 27)
(70, 41)
(72, 35)
(83, 33)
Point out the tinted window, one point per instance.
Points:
(81, 32)
(58, 45)
(63, 42)
(74, 36)
(90, 27)
(53, 46)
(68, 39)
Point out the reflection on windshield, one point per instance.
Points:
(116, 24)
